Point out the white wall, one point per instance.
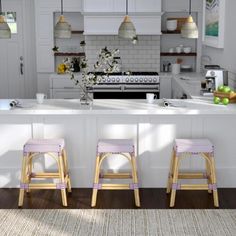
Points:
(226, 57)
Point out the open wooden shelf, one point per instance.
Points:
(77, 31)
(171, 32)
(78, 54)
(191, 54)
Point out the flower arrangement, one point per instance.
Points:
(106, 63)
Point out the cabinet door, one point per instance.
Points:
(98, 5)
(65, 93)
(44, 41)
(165, 87)
(147, 6)
(181, 5)
(120, 6)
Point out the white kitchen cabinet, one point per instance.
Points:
(120, 6)
(181, 5)
(61, 87)
(144, 24)
(165, 87)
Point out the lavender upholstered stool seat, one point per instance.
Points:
(44, 145)
(105, 149)
(184, 148)
(55, 148)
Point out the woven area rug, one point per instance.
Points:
(118, 222)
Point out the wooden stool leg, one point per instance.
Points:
(209, 176)
(213, 174)
(62, 179)
(169, 182)
(65, 164)
(96, 182)
(23, 177)
(135, 180)
(175, 181)
(29, 168)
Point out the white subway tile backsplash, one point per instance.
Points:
(144, 56)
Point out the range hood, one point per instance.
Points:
(108, 23)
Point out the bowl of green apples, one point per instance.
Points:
(224, 95)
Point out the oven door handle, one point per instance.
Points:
(101, 88)
(141, 88)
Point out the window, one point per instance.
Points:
(11, 20)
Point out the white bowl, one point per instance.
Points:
(171, 25)
(187, 49)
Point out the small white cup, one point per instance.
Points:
(40, 97)
(150, 97)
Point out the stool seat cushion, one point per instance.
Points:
(193, 146)
(115, 146)
(44, 145)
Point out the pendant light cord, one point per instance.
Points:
(190, 7)
(61, 7)
(126, 7)
(0, 7)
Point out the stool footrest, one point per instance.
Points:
(43, 186)
(44, 175)
(116, 186)
(192, 175)
(115, 175)
(177, 186)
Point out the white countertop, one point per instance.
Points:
(118, 107)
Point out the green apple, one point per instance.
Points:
(226, 89)
(225, 101)
(216, 100)
(221, 88)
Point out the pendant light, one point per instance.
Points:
(62, 29)
(189, 29)
(127, 29)
(5, 32)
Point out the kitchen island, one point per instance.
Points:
(152, 127)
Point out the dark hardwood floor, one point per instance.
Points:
(150, 199)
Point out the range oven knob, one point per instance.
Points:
(108, 80)
(99, 80)
(132, 80)
(136, 80)
(155, 80)
(141, 80)
(145, 80)
(118, 80)
(113, 80)
(127, 80)
(104, 80)
(150, 80)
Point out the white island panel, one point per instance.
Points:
(152, 127)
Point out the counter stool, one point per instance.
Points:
(105, 149)
(55, 148)
(184, 148)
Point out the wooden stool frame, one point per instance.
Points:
(27, 175)
(98, 186)
(174, 175)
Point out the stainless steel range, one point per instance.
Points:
(133, 85)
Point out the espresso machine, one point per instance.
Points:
(215, 77)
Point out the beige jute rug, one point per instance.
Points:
(118, 222)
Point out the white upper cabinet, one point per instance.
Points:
(103, 17)
(146, 6)
(120, 5)
(181, 5)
